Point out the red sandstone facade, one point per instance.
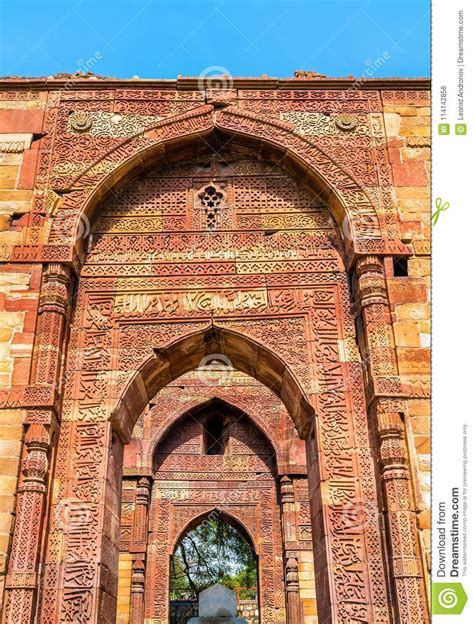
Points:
(151, 226)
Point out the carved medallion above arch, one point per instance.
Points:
(368, 224)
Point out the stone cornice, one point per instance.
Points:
(189, 84)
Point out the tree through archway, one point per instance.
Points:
(213, 551)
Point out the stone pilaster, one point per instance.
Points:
(22, 570)
(137, 605)
(407, 570)
(138, 544)
(378, 351)
(140, 521)
(288, 509)
(379, 358)
(289, 522)
(30, 507)
(294, 606)
(52, 314)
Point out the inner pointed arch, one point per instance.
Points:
(188, 352)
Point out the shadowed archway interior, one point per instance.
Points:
(194, 490)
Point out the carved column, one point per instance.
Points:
(52, 315)
(287, 494)
(294, 606)
(137, 604)
(406, 562)
(41, 421)
(138, 545)
(379, 357)
(22, 570)
(295, 612)
(140, 519)
(380, 363)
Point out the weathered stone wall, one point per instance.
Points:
(248, 610)
(124, 587)
(53, 135)
(19, 292)
(408, 131)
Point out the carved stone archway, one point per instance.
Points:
(349, 204)
(147, 453)
(320, 382)
(185, 354)
(76, 198)
(262, 469)
(242, 488)
(93, 437)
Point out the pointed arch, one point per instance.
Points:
(186, 353)
(197, 408)
(346, 199)
(227, 516)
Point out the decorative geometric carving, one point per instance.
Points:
(113, 125)
(211, 199)
(324, 125)
(346, 121)
(14, 143)
(400, 509)
(21, 580)
(81, 121)
(268, 271)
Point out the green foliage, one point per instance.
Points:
(213, 552)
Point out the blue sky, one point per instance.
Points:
(167, 38)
